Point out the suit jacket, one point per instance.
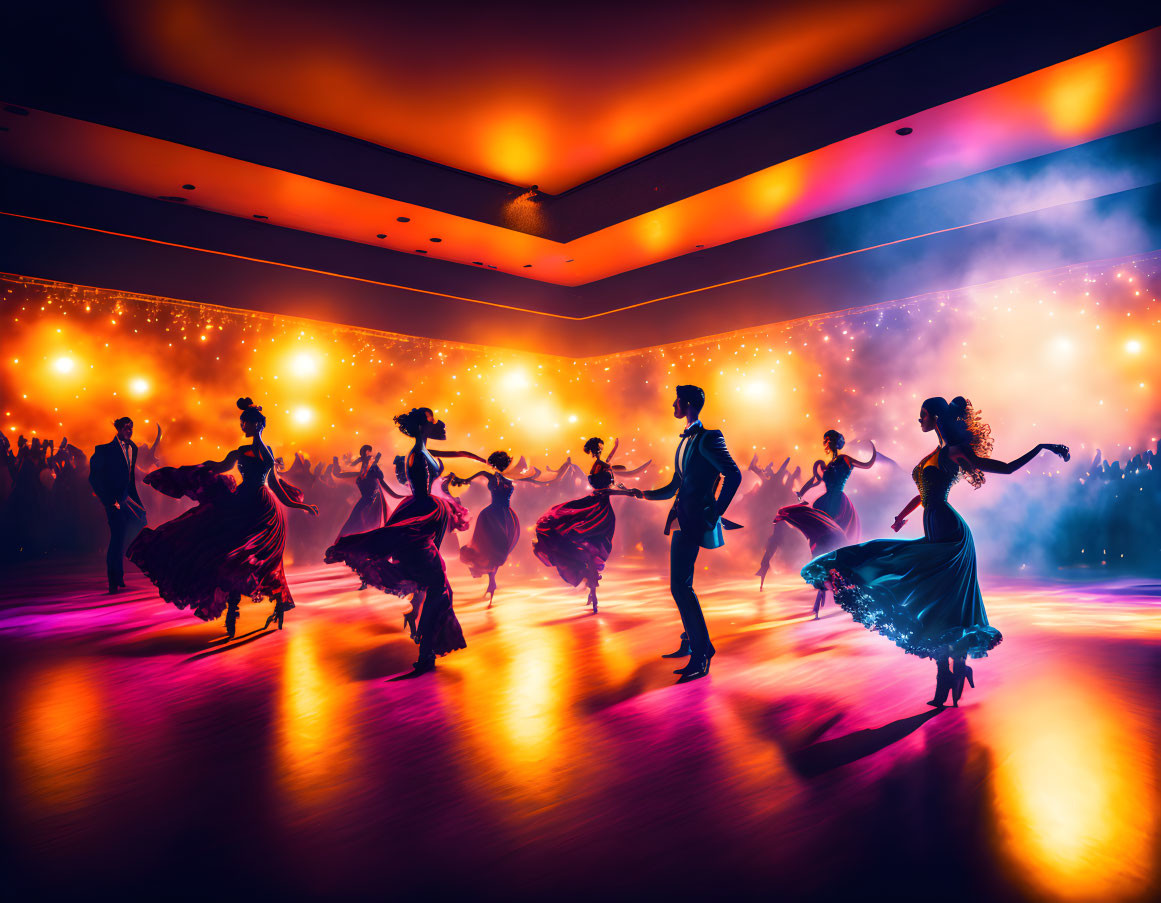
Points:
(112, 478)
(696, 507)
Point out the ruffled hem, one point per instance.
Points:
(382, 573)
(974, 641)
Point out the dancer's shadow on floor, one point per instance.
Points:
(819, 758)
(244, 640)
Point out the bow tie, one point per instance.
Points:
(689, 431)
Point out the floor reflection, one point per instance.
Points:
(557, 756)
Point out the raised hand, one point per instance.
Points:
(898, 525)
(1061, 450)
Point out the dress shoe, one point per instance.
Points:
(697, 669)
(683, 651)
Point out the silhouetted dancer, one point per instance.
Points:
(576, 537)
(231, 543)
(701, 463)
(402, 557)
(113, 476)
(831, 520)
(924, 594)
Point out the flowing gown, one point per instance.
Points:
(831, 520)
(370, 511)
(230, 543)
(402, 557)
(922, 594)
(576, 537)
(496, 533)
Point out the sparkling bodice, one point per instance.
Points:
(601, 476)
(254, 469)
(836, 474)
(422, 472)
(934, 481)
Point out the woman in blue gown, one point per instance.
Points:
(924, 594)
(831, 520)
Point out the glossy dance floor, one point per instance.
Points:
(556, 759)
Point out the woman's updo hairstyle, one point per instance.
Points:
(961, 424)
(500, 461)
(835, 438)
(251, 413)
(411, 423)
(364, 450)
(593, 446)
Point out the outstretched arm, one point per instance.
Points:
(625, 472)
(225, 464)
(463, 481)
(609, 456)
(455, 454)
(966, 458)
(863, 465)
(337, 470)
(813, 481)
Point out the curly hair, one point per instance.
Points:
(835, 438)
(500, 460)
(961, 424)
(411, 423)
(593, 446)
(251, 413)
(365, 450)
(122, 421)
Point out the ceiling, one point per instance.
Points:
(680, 149)
(551, 94)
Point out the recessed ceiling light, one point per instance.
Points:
(260, 216)
(381, 235)
(906, 130)
(188, 187)
(171, 197)
(403, 219)
(436, 240)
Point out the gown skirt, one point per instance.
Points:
(576, 538)
(922, 594)
(495, 536)
(827, 524)
(230, 542)
(402, 557)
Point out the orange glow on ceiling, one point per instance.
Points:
(543, 94)
(1014, 121)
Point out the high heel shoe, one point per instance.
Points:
(943, 684)
(231, 621)
(277, 615)
(818, 600)
(409, 624)
(961, 672)
(593, 600)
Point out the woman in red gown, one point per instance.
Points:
(231, 543)
(576, 537)
(402, 557)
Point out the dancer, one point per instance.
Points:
(702, 462)
(923, 594)
(832, 520)
(576, 537)
(497, 527)
(231, 543)
(113, 476)
(370, 511)
(402, 557)
(772, 492)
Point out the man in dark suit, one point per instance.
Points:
(113, 476)
(701, 463)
